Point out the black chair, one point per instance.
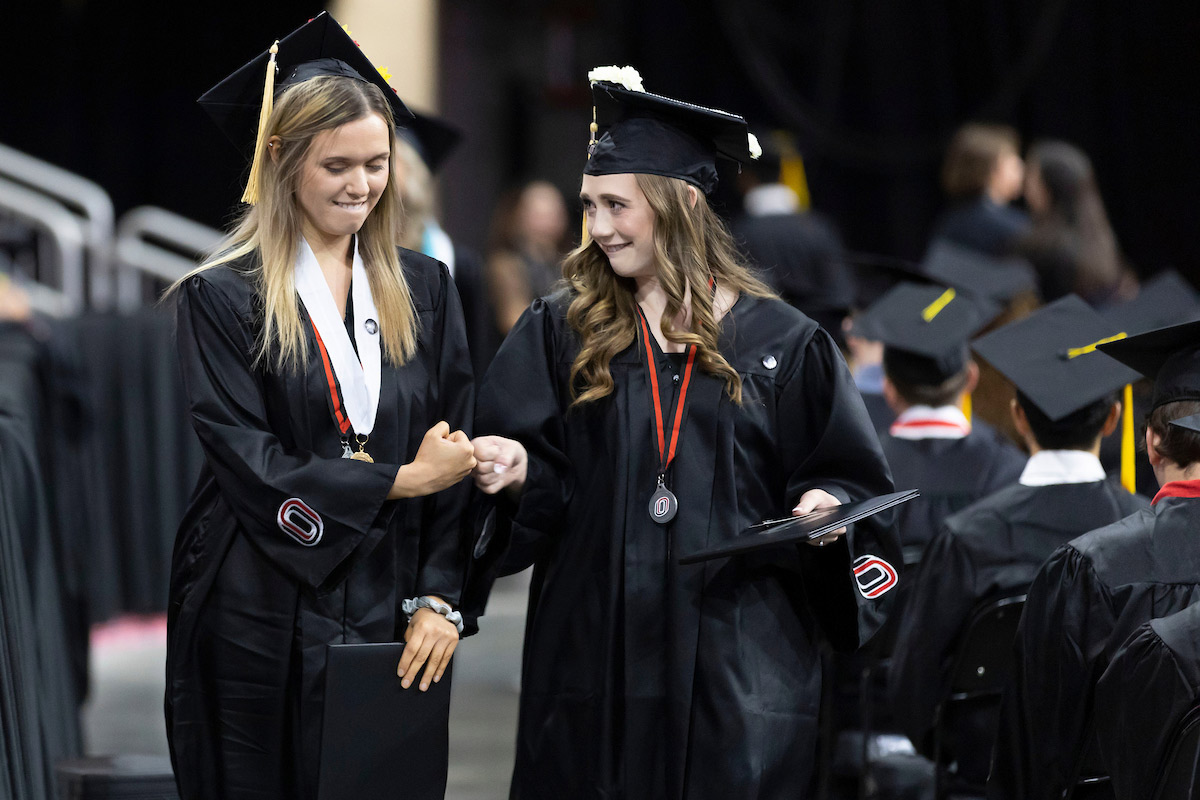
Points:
(968, 711)
(1179, 775)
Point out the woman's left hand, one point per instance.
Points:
(815, 499)
(430, 639)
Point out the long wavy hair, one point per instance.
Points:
(691, 245)
(272, 227)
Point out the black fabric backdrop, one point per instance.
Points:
(873, 90)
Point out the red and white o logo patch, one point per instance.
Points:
(874, 576)
(661, 506)
(300, 522)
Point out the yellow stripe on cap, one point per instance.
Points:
(933, 309)
(1128, 469)
(260, 143)
(1075, 352)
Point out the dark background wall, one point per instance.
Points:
(872, 90)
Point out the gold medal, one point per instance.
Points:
(362, 455)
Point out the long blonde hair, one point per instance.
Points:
(272, 226)
(691, 245)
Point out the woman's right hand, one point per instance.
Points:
(501, 464)
(443, 459)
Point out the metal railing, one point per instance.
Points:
(83, 199)
(67, 240)
(154, 243)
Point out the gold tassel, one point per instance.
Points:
(966, 406)
(1128, 470)
(260, 143)
(584, 238)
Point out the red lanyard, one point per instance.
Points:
(666, 452)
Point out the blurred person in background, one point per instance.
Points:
(1071, 244)
(982, 175)
(798, 253)
(423, 144)
(529, 237)
(325, 369)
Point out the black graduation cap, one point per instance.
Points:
(651, 134)
(1051, 357)
(1191, 423)
(925, 329)
(1168, 356)
(997, 279)
(434, 139)
(319, 47)
(876, 273)
(1165, 299)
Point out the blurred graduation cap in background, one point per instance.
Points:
(997, 280)
(925, 329)
(1165, 299)
(1000, 280)
(1051, 357)
(875, 274)
(646, 133)
(241, 103)
(433, 138)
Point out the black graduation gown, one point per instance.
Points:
(1084, 603)
(643, 678)
(480, 322)
(1152, 682)
(951, 474)
(801, 256)
(990, 550)
(286, 546)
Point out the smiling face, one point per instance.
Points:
(345, 171)
(620, 219)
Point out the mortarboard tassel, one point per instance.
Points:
(966, 405)
(583, 239)
(1128, 471)
(260, 144)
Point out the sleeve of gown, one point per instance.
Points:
(829, 443)
(306, 514)
(1140, 700)
(520, 399)
(1066, 621)
(938, 607)
(444, 536)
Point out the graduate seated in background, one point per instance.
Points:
(660, 404)
(932, 446)
(326, 369)
(982, 175)
(797, 252)
(993, 548)
(1151, 684)
(1095, 591)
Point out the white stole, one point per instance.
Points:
(359, 375)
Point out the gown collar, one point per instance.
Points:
(927, 422)
(358, 374)
(1051, 467)
(1189, 489)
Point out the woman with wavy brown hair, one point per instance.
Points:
(659, 404)
(325, 370)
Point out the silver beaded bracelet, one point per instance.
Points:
(409, 607)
